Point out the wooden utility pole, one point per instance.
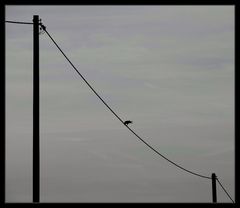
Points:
(36, 147)
(214, 189)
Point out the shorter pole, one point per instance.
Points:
(214, 188)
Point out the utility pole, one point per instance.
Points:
(214, 189)
(36, 147)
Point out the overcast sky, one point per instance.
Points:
(169, 69)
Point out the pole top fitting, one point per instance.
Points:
(43, 27)
(35, 18)
(214, 175)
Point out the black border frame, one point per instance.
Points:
(70, 2)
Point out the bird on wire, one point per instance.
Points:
(127, 122)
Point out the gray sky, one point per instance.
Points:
(170, 69)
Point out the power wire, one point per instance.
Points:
(203, 176)
(224, 190)
(15, 22)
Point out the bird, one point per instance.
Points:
(127, 122)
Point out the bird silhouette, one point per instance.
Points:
(127, 122)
